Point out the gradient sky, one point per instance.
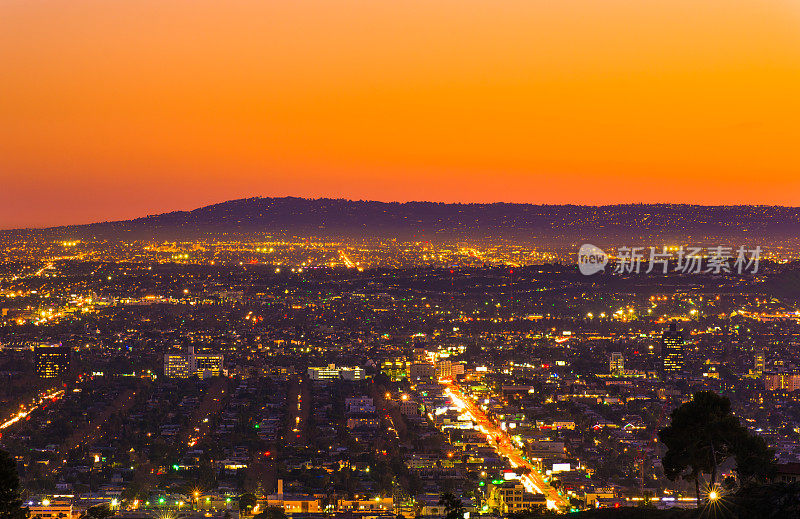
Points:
(116, 109)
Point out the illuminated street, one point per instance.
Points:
(400, 260)
(533, 482)
(24, 413)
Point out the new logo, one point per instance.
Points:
(591, 259)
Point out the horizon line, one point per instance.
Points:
(340, 199)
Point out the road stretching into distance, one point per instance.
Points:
(42, 399)
(534, 482)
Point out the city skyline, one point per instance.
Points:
(399, 259)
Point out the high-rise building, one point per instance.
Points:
(789, 382)
(420, 355)
(52, 360)
(332, 372)
(672, 349)
(329, 372)
(176, 365)
(206, 365)
(759, 363)
(202, 365)
(421, 372)
(448, 369)
(773, 381)
(396, 368)
(616, 364)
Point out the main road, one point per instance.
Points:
(533, 481)
(43, 398)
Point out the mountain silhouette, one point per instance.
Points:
(435, 221)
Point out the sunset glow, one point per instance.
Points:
(112, 110)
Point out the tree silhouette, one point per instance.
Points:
(703, 434)
(532, 513)
(453, 507)
(10, 500)
(247, 502)
(755, 461)
(271, 512)
(772, 501)
(98, 512)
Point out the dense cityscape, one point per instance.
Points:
(399, 259)
(301, 379)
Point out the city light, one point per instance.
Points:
(184, 370)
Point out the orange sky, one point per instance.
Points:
(115, 109)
